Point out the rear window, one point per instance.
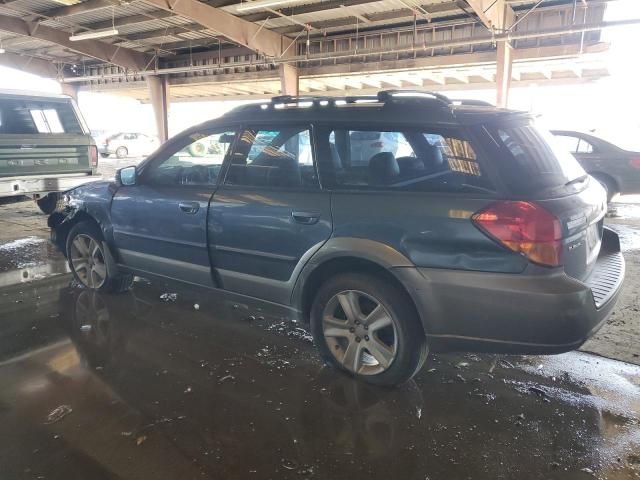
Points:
(37, 116)
(405, 160)
(535, 161)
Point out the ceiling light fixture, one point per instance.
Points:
(246, 6)
(91, 35)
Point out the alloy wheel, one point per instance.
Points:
(360, 332)
(87, 259)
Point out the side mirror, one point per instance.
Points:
(126, 176)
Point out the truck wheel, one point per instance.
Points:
(50, 203)
(368, 328)
(91, 261)
(122, 152)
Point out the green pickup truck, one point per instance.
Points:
(45, 147)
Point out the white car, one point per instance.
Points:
(128, 144)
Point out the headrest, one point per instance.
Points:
(383, 168)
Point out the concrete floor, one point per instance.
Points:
(148, 389)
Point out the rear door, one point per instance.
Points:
(42, 137)
(160, 224)
(270, 214)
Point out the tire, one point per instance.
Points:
(608, 184)
(198, 149)
(86, 245)
(404, 344)
(122, 152)
(50, 203)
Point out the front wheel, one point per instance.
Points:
(368, 328)
(91, 261)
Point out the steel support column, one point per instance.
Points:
(159, 96)
(289, 80)
(504, 68)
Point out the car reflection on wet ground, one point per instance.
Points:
(206, 385)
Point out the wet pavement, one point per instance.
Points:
(132, 386)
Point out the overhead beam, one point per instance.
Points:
(36, 66)
(239, 31)
(88, 6)
(494, 14)
(123, 57)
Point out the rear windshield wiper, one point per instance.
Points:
(579, 179)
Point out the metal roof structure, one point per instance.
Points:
(237, 49)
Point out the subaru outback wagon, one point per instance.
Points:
(473, 233)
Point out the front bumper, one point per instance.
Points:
(43, 184)
(529, 313)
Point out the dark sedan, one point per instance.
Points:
(616, 169)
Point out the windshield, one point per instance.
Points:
(536, 161)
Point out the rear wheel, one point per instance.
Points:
(50, 203)
(91, 261)
(122, 152)
(368, 328)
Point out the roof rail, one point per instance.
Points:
(387, 95)
(296, 99)
(474, 103)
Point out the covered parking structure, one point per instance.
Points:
(162, 51)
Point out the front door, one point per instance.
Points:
(160, 224)
(269, 215)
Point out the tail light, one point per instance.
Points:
(93, 156)
(525, 228)
(635, 162)
(377, 145)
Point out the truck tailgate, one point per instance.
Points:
(22, 155)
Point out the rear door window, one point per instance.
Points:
(405, 160)
(533, 161)
(38, 116)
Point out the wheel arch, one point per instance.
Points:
(62, 225)
(607, 177)
(346, 255)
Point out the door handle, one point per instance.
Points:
(189, 207)
(306, 218)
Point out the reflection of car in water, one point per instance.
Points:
(257, 411)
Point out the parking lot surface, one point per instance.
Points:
(209, 386)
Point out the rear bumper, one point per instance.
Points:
(43, 184)
(516, 313)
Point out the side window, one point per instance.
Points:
(196, 161)
(405, 160)
(569, 144)
(584, 146)
(280, 158)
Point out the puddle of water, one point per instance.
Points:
(29, 259)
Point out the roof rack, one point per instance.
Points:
(383, 96)
(473, 103)
(388, 95)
